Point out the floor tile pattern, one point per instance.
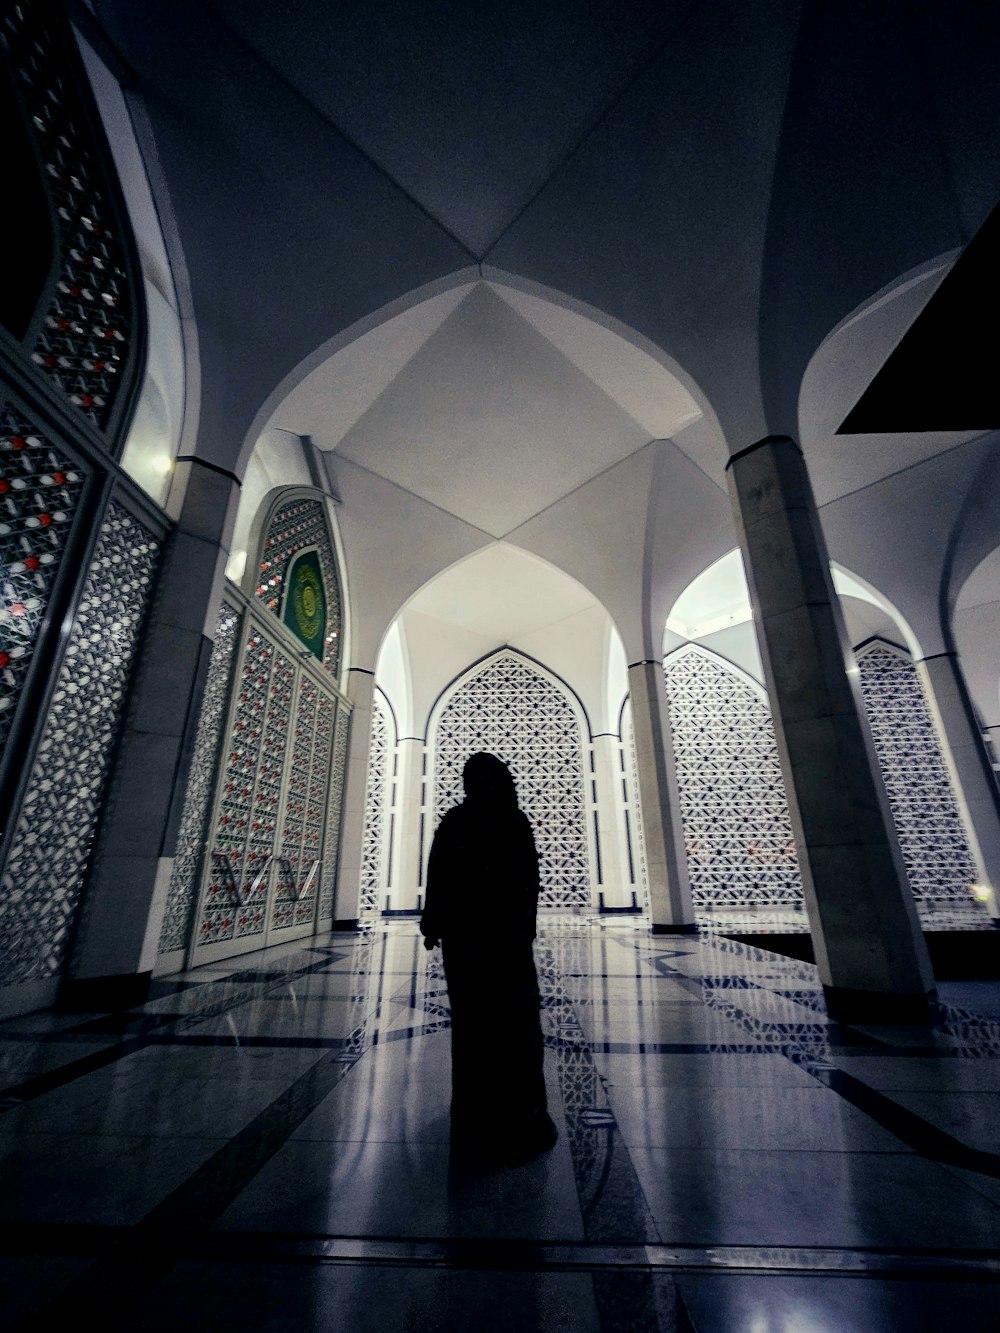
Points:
(265, 1144)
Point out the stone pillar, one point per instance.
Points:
(666, 861)
(872, 958)
(971, 771)
(618, 886)
(122, 911)
(409, 804)
(361, 690)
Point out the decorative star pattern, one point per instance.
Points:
(737, 829)
(377, 796)
(54, 837)
(40, 490)
(521, 715)
(201, 783)
(83, 341)
(935, 848)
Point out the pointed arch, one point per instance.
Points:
(291, 530)
(515, 708)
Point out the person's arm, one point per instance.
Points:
(432, 920)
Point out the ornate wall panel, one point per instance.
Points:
(335, 806)
(378, 797)
(301, 843)
(55, 830)
(201, 784)
(928, 824)
(83, 341)
(740, 846)
(278, 791)
(514, 711)
(236, 899)
(297, 525)
(39, 492)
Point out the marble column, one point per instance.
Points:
(406, 853)
(872, 958)
(663, 836)
(122, 911)
(618, 887)
(971, 771)
(360, 690)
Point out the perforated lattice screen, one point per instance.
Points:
(378, 795)
(737, 829)
(82, 342)
(933, 842)
(52, 842)
(40, 489)
(201, 784)
(513, 711)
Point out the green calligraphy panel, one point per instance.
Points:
(305, 602)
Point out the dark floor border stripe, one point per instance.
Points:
(141, 1256)
(18, 1093)
(923, 1137)
(503, 1255)
(917, 1133)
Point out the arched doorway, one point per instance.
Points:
(739, 837)
(515, 709)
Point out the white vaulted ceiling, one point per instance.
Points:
(502, 596)
(489, 404)
(420, 89)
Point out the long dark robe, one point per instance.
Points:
(482, 896)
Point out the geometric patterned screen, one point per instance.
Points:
(733, 806)
(83, 342)
(304, 810)
(740, 847)
(928, 824)
(243, 840)
(54, 836)
(39, 492)
(201, 784)
(515, 712)
(274, 821)
(378, 797)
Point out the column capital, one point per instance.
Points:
(768, 440)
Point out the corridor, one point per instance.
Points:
(264, 1145)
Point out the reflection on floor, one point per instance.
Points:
(265, 1146)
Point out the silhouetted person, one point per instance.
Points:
(482, 896)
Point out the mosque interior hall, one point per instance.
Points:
(606, 388)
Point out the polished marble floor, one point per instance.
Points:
(264, 1145)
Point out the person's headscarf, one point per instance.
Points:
(489, 787)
